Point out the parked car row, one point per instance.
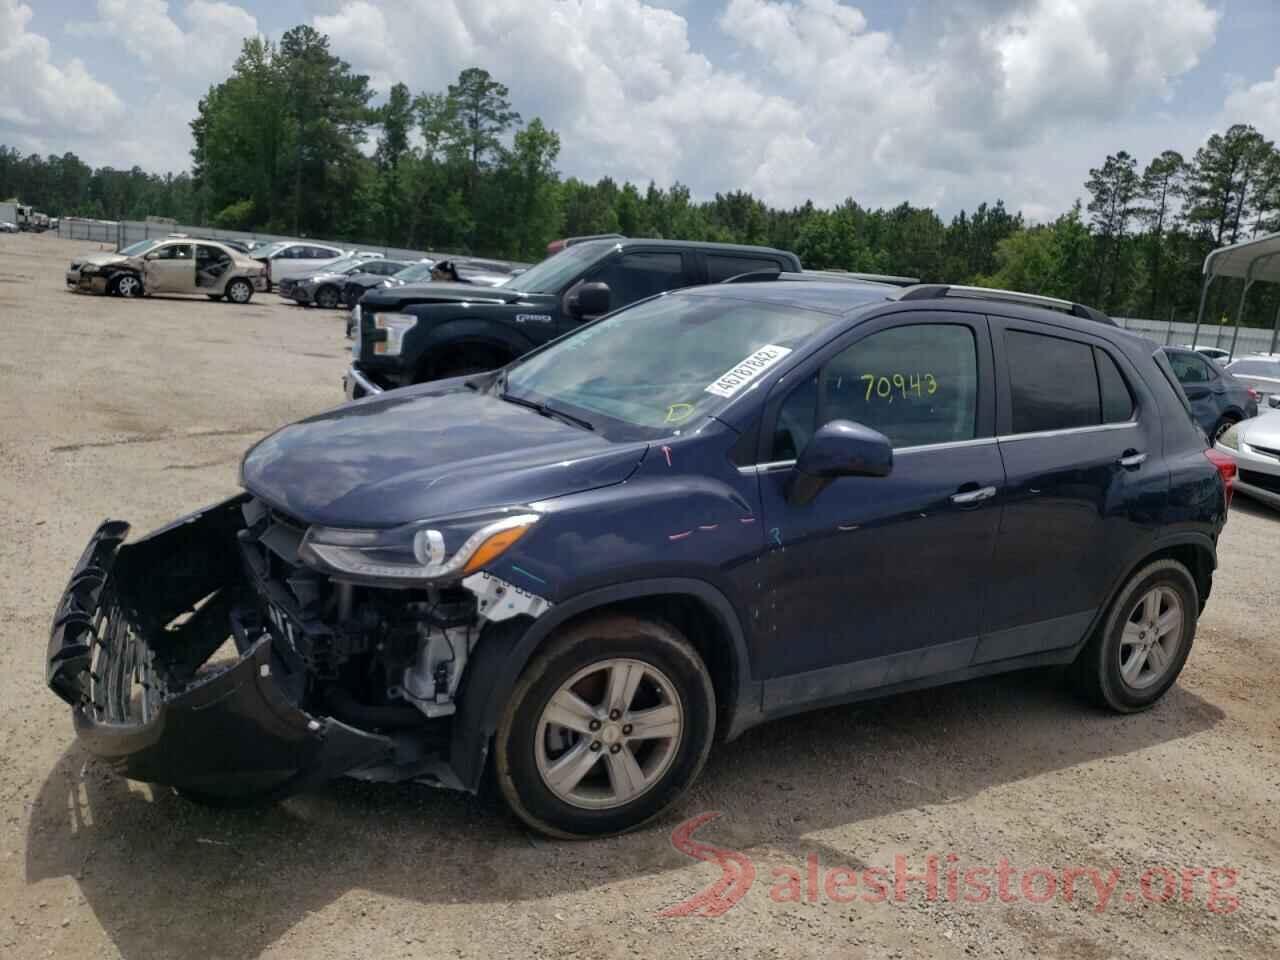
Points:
(651, 530)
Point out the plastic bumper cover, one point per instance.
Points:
(145, 698)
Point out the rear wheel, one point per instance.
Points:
(605, 729)
(239, 290)
(1138, 652)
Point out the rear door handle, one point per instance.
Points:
(1132, 459)
(974, 496)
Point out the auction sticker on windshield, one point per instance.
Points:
(739, 375)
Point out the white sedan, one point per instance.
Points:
(1254, 445)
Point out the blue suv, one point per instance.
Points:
(712, 508)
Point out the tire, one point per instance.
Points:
(464, 362)
(328, 297)
(1222, 426)
(1100, 671)
(239, 291)
(585, 658)
(125, 285)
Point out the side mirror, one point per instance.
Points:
(590, 300)
(840, 448)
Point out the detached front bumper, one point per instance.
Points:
(137, 649)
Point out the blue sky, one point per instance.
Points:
(940, 102)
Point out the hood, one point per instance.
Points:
(323, 277)
(99, 259)
(419, 453)
(436, 292)
(1262, 430)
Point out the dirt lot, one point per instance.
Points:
(140, 409)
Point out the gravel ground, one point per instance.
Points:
(140, 409)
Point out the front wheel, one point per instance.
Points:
(1140, 649)
(239, 290)
(327, 297)
(126, 285)
(1222, 426)
(605, 729)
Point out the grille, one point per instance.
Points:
(1265, 451)
(1264, 481)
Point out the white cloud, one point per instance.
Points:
(1258, 104)
(793, 99)
(189, 59)
(39, 98)
(813, 100)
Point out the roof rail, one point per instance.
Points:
(757, 276)
(935, 291)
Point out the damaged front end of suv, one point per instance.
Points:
(237, 654)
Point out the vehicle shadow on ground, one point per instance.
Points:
(168, 878)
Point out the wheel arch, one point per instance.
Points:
(455, 336)
(694, 607)
(1194, 550)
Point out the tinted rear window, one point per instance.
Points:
(1117, 400)
(1053, 383)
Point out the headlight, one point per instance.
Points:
(431, 550)
(1231, 437)
(385, 283)
(396, 325)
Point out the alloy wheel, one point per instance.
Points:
(1151, 637)
(609, 734)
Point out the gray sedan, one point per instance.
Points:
(1218, 399)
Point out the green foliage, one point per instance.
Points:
(235, 216)
(278, 146)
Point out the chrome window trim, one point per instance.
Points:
(1068, 431)
(772, 465)
(898, 451)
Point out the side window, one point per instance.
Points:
(174, 251)
(1053, 383)
(634, 276)
(916, 384)
(722, 267)
(1117, 399)
(1188, 368)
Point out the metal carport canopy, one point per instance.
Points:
(1249, 260)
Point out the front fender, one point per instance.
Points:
(438, 328)
(506, 647)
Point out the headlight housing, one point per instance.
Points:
(1231, 437)
(446, 549)
(396, 326)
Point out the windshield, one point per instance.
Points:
(648, 370)
(1256, 368)
(550, 275)
(139, 248)
(415, 271)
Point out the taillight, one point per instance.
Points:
(1254, 395)
(1226, 470)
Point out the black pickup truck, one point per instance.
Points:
(430, 331)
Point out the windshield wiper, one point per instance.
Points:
(547, 411)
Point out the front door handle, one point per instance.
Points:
(974, 496)
(1132, 459)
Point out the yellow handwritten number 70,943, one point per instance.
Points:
(883, 387)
